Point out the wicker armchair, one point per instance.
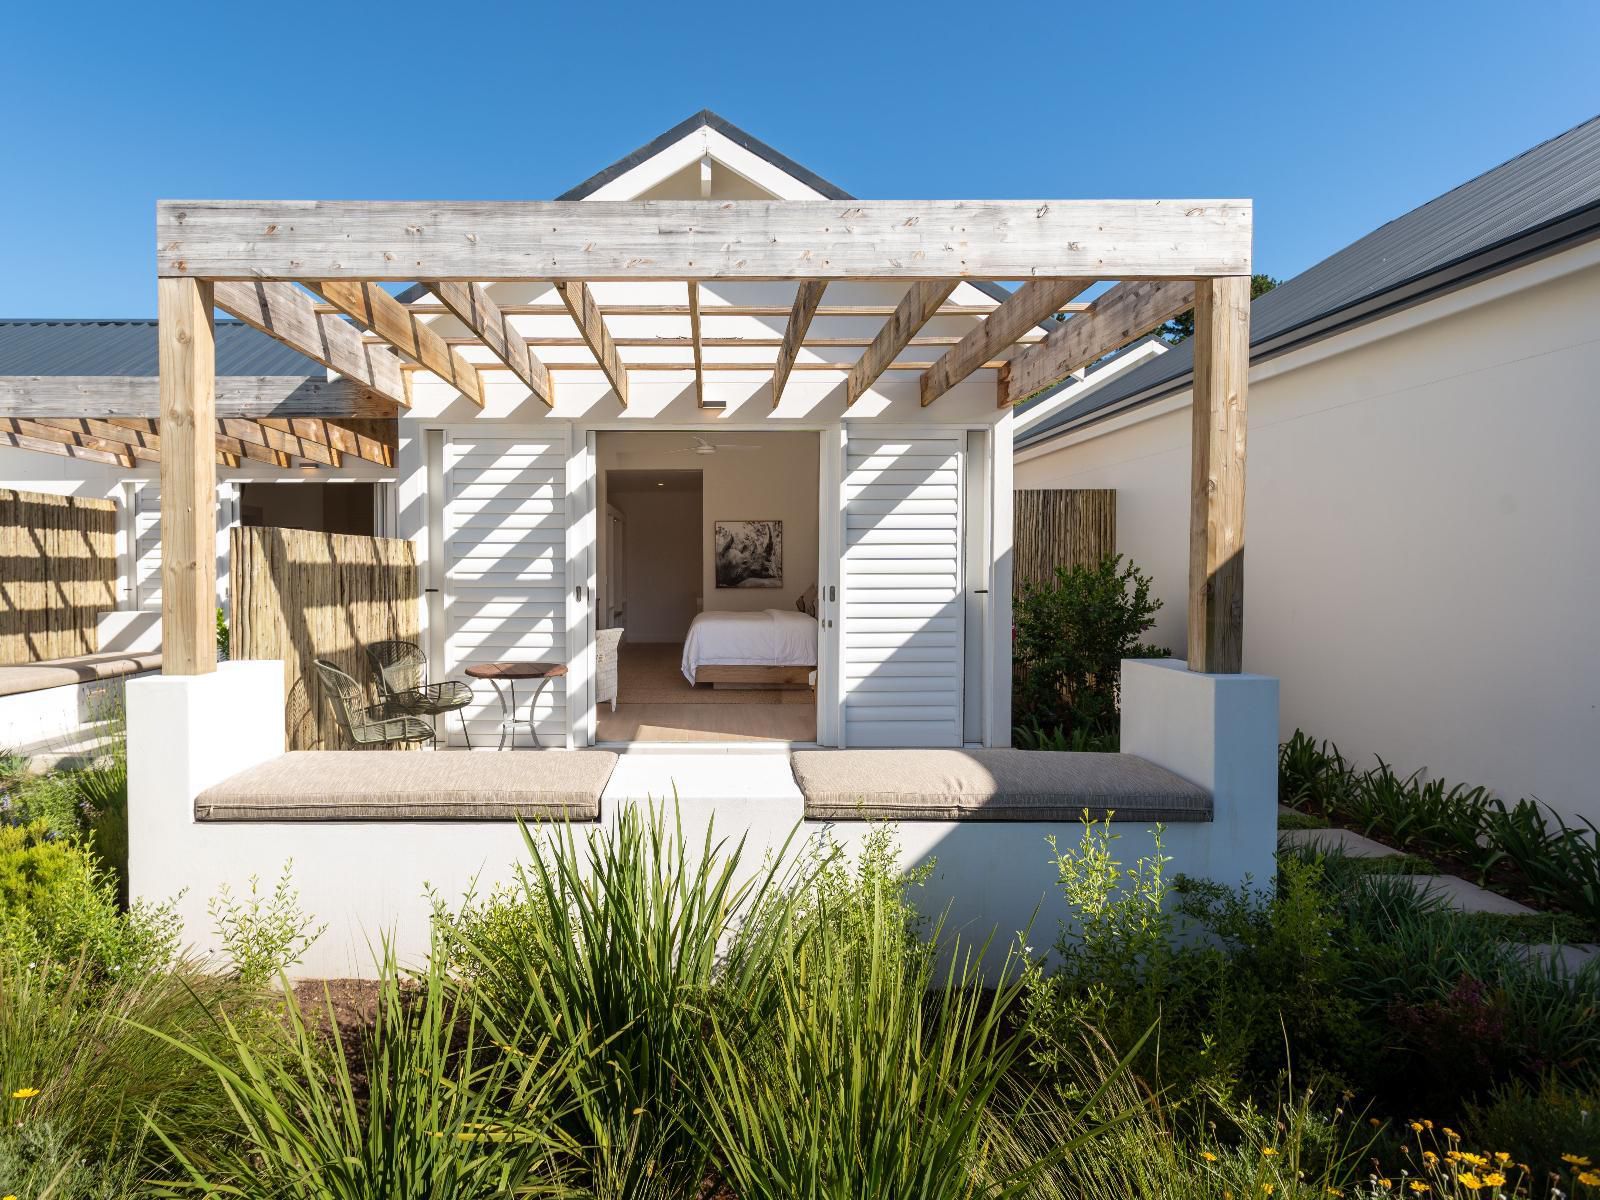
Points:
(401, 670)
(363, 726)
(606, 642)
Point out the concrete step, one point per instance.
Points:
(1336, 841)
(1459, 894)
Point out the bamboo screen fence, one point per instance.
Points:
(301, 596)
(1060, 528)
(58, 573)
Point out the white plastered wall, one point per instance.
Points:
(1421, 510)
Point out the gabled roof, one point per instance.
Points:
(91, 347)
(1542, 200)
(705, 119)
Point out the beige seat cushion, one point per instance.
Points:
(991, 785)
(400, 785)
(68, 672)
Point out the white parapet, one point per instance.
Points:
(1221, 732)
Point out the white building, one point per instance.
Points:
(1423, 497)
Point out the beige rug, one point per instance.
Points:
(650, 673)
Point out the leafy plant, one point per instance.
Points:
(876, 1075)
(1538, 1122)
(1080, 739)
(622, 945)
(444, 1109)
(1071, 637)
(263, 935)
(224, 638)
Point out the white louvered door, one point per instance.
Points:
(901, 609)
(145, 534)
(505, 531)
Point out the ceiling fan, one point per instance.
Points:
(704, 447)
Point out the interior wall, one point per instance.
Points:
(1421, 559)
(662, 561)
(775, 481)
(321, 507)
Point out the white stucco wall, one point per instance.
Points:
(1422, 559)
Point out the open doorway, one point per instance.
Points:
(324, 507)
(708, 568)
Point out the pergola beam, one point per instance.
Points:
(39, 396)
(807, 300)
(591, 325)
(187, 352)
(369, 306)
(694, 342)
(697, 239)
(1027, 306)
(1216, 514)
(919, 306)
(1126, 312)
(471, 304)
(283, 311)
(68, 447)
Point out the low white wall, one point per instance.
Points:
(1421, 560)
(369, 880)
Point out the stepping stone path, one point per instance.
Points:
(1457, 893)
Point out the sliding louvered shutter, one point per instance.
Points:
(505, 528)
(902, 607)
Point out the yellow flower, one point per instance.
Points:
(1589, 1178)
(1476, 1160)
(1468, 1180)
(1429, 1157)
(1494, 1179)
(1576, 1160)
(1416, 1127)
(1417, 1186)
(1267, 1152)
(1208, 1156)
(1451, 1134)
(1500, 1156)
(30, 1093)
(1267, 1188)
(1335, 1192)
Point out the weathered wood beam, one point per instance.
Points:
(696, 239)
(919, 306)
(373, 308)
(1216, 513)
(273, 433)
(283, 311)
(1126, 312)
(427, 308)
(103, 435)
(586, 315)
(471, 304)
(807, 299)
(69, 448)
(187, 356)
(39, 396)
(1028, 305)
(694, 341)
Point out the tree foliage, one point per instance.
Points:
(1181, 327)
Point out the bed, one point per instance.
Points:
(772, 648)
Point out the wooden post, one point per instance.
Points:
(1216, 515)
(187, 357)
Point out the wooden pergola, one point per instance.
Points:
(309, 274)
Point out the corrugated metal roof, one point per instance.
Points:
(89, 347)
(1544, 198)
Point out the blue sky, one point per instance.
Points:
(1334, 118)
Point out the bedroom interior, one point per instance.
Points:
(708, 559)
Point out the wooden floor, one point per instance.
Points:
(655, 703)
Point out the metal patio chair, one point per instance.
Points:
(365, 726)
(401, 669)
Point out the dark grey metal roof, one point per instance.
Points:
(90, 347)
(1542, 200)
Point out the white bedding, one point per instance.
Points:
(775, 637)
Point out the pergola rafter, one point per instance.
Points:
(1161, 257)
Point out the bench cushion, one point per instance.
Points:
(16, 678)
(991, 785)
(400, 785)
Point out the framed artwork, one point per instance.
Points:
(749, 554)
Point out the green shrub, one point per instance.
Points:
(83, 1059)
(1536, 1123)
(620, 942)
(876, 1076)
(263, 935)
(35, 1160)
(1071, 637)
(435, 1106)
(57, 903)
(1080, 739)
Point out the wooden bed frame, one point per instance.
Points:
(747, 676)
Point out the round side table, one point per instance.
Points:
(508, 673)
